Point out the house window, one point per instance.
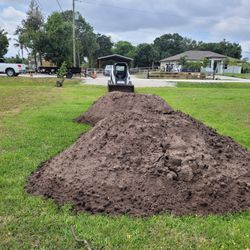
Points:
(225, 66)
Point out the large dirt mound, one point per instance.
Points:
(116, 102)
(142, 164)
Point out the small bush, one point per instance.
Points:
(61, 73)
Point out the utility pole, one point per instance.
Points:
(74, 35)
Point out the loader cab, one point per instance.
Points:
(121, 71)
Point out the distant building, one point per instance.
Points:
(215, 61)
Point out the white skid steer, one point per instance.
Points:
(120, 78)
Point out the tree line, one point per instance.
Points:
(51, 39)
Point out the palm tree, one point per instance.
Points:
(21, 46)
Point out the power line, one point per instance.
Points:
(40, 7)
(38, 4)
(60, 6)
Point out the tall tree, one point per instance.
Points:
(59, 39)
(29, 33)
(224, 47)
(20, 44)
(145, 55)
(4, 43)
(124, 48)
(171, 44)
(105, 45)
(86, 40)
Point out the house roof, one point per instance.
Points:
(194, 55)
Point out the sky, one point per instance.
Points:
(140, 21)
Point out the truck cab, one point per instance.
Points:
(11, 69)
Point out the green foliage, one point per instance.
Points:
(86, 39)
(193, 66)
(228, 85)
(183, 61)
(104, 48)
(58, 29)
(30, 33)
(234, 62)
(16, 59)
(145, 55)
(61, 73)
(20, 44)
(242, 76)
(105, 45)
(245, 67)
(172, 44)
(224, 47)
(53, 39)
(4, 43)
(205, 62)
(226, 61)
(59, 35)
(124, 48)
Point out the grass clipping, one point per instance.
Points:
(142, 158)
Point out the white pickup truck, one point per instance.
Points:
(12, 69)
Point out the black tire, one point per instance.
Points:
(10, 72)
(69, 75)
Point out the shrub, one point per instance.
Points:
(61, 73)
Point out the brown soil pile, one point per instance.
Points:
(141, 163)
(117, 102)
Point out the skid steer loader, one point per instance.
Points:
(120, 78)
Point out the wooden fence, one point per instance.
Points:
(175, 75)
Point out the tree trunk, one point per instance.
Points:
(41, 60)
(35, 58)
(22, 54)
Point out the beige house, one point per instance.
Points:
(216, 61)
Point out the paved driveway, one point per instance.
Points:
(136, 82)
(101, 80)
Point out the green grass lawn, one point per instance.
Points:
(243, 76)
(36, 124)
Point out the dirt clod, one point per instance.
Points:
(141, 162)
(186, 173)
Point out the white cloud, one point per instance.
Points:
(11, 13)
(10, 18)
(233, 27)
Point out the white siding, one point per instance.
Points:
(233, 69)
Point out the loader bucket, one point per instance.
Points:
(121, 88)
